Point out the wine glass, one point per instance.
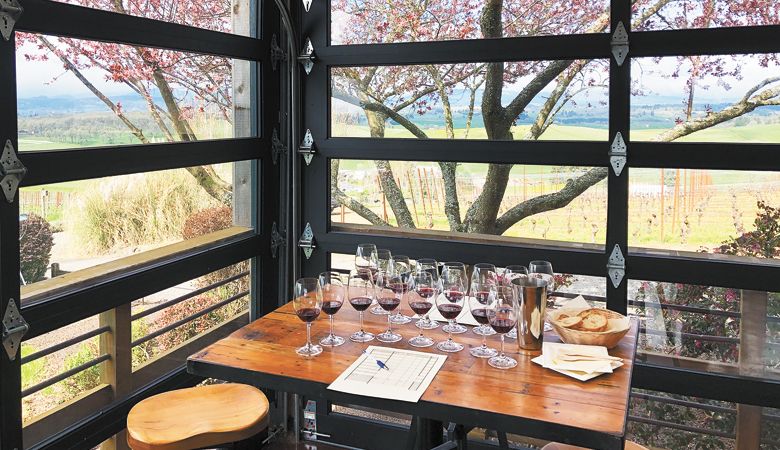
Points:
(512, 272)
(360, 291)
(385, 260)
(423, 291)
(332, 292)
(502, 315)
(460, 284)
(450, 305)
(430, 266)
(483, 295)
(485, 271)
(402, 267)
(396, 286)
(366, 257)
(543, 270)
(307, 304)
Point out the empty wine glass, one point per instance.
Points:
(450, 304)
(485, 271)
(385, 260)
(543, 270)
(502, 315)
(360, 291)
(483, 295)
(422, 294)
(431, 266)
(402, 267)
(396, 285)
(459, 271)
(307, 302)
(366, 257)
(512, 272)
(333, 292)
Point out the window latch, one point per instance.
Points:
(11, 170)
(277, 147)
(14, 328)
(278, 239)
(618, 154)
(306, 242)
(306, 58)
(277, 54)
(306, 149)
(619, 44)
(10, 12)
(616, 266)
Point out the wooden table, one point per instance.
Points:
(527, 400)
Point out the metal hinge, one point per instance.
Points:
(277, 147)
(12, 171)
(10, 12)
(307, 56)
(277, 54)
(619, 44)
(307, 5)
(277, 240)
(307, 147)
(306, 242)
(616, 266)
(618, 154)
(14, 328)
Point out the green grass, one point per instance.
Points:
(33, 371)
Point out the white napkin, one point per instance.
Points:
(581, 370)
(465, 317)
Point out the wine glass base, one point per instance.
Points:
(449, 346)
(421, 341)
(512, 334)
(378, 310)
(427, 324)
(483, 352)
(361, 336)
(484, 330)
(388, 336)
(399, 319)
(332, 340)
(454, 329)
(309, 350)
(502, 362)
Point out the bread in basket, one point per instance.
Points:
(579, 323)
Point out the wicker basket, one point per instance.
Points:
(609, 339)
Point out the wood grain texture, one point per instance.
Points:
(197, 417)
(264, 352)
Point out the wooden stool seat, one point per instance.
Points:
(197, 417)
(556, 446)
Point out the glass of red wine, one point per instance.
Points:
(453, 326)
(367, 258)
(385, 261)
(512, 272)
(422, 294)
(333, 292)
(402, 268)
(431, 266)
(483, 295)
(450, 304)
(395, 288)
(543, 270)
(307, 304)
(360, 292)
(502, 316)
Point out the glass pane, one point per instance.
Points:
(375, 21)
(729, 213)
(227, 16)
(527, 202)
(460, 101)
(682, 14)
(708, 328)
(78, 225)
(74, 93)
(724, 98)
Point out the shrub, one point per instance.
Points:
(88, 378)
(143, 352)
(35, 244)
(33, 371)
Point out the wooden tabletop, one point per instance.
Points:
(528, 400)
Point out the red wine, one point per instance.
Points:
(421, 308)
(331, 307)
(450, 310)
(426, 292)
(480, 315)
(360, 303)
(308, 314)
(503, 325)
(453, 296)
(389, 303)
(482, 296)
(398, 287)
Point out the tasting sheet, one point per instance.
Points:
(406, 376)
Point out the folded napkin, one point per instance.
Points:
(583, 362)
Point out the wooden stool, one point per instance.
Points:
(556, 446)
(197, 417)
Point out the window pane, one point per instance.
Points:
(450, 101)
(724, 98)
(374, 21)
(227, 16)
(80, 225)
(526, 202)
(729, 213)
(708, 328)
(74, 93)
(682, 14)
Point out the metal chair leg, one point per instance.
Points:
(503, 442)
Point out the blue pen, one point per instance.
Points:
(378, 362)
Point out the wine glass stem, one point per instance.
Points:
(361, 322)
(484, 340)
(308, 335)
(389, 324)
(331, 325)
(502, 345)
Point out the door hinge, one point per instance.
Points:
(616, 266)
(12, 171)
(277, 240)
(307, 5)
(277, 54)
(14, 328)
(10, 12)
(277, 147)
(619, 44)
(307, 147)
(618, 154)
(306, 58)
(306, 242)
